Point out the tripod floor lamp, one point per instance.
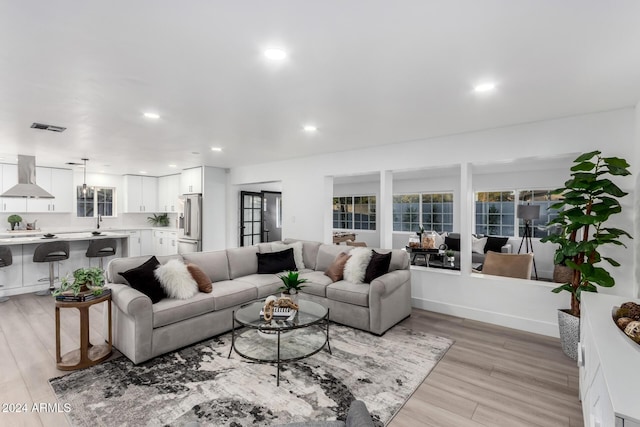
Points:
(528, 213)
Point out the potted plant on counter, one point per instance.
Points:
(159, 220)
(589, 199)
(84, 279)
(14, 220)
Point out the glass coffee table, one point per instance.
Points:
(281, 340)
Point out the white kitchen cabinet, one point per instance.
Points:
(608, 381)
(191, 181)
(9, 178)
(141, 194)
(58, 182)
(146, 242)
(168, 193)
(165, 242)
(135, 243)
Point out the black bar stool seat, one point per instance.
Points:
(101, 248)
(6, 259)
(51, 252)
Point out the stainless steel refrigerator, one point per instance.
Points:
(190, 236)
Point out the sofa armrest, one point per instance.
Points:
(506, 249)
(389, 300)
(130, 301)
(358, 415)
(388, 283)
(132, 313)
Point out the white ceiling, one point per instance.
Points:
(365, 72)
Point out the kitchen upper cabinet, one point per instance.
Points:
(9, 178)
(191, 181)
(141, 193)
(58, 182)
(168, 193)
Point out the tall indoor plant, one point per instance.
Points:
(589, 199)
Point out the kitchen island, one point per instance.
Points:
(23, 275)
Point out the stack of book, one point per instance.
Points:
(82, 296)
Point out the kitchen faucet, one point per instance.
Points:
(98, 221)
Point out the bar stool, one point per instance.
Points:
(50, 252)
(101, 248)
(6, 259)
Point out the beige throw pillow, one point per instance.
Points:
(336, 270)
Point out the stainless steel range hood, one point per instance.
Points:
(26, 187)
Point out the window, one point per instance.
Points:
(97, 201)
(496, 212)
(354, 212)
(432, 211)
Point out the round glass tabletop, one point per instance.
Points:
(308, 314)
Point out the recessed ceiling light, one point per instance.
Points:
(172, 166)
(275, 54)
(143, 172)
(310, 128)
(195, 153)
(154, 116)
(484, 87)
(216, 149)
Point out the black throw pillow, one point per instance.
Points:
(453, 243)
(142, 279)
(276, 262)
(378, 265)
(495, 244)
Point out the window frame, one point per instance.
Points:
(421, 213)
(350, 215)
(96, 202)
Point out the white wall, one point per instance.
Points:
(307, 204)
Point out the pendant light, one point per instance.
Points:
(84, 181)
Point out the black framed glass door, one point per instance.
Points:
(250, 218)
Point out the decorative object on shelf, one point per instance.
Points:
(450, 256)
(627, 318)
(14, 220)
(84, 279)
(159, 220)
(589, 199)
(420, 232)
(528, 213)
(429, 240)
(414, 241)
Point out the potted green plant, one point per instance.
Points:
(159, 220)
(589, 199)
(14, 220)
(291, 283)
(84, 279)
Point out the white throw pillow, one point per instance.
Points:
(356, 266)
(297, 251)
(477, 245)
(176, 280)
(439, 238)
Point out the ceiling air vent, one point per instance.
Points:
(52, 128)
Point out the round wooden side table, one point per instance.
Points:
(88, 354)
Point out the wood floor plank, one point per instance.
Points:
(491, 376)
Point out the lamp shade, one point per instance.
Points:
(528, 212)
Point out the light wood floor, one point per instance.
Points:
(491, 376)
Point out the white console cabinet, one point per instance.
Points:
(608, 362)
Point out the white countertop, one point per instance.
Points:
(86, 235)
(8, 234)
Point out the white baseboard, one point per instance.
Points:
(496, 318)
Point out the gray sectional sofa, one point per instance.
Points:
(142, 330)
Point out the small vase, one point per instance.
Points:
(293, 295)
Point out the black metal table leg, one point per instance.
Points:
(233, 335)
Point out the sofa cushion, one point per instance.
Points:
(214, 263)
(478, 244)
(378, 265)
(328, 253)
(143, 279)
(229, 293)
(316, 283)
(201, 278)
(336, 270)
(242, 261)
(117, 265)
(356, 266)
(297, 251)
(276, 262)
(171, 310)
(266, 284)
(351, 293)
(309, 252)
(495, 244)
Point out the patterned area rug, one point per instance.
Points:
(200, 383)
